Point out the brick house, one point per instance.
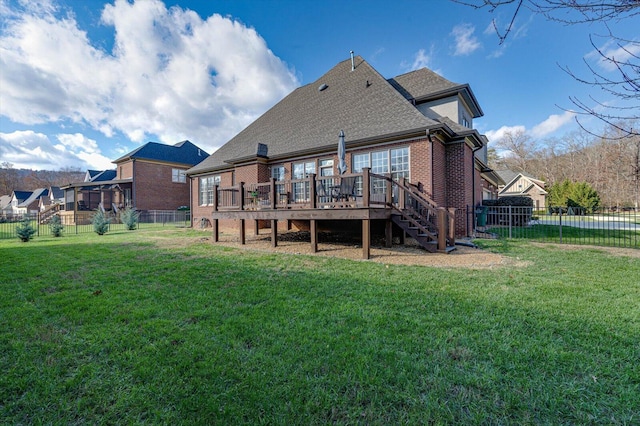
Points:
(152, 177)
(415, 128)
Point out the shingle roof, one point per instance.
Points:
(22, 195)
(425, 85)
(183, 152)
(40, 192)
(360, 102)
(421, 83)
(103, 175)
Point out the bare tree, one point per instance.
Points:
(519, 147)
(625, 87)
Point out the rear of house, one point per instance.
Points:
(417, 127)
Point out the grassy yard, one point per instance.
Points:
(161, 327)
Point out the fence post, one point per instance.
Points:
(560, 228)
(510, 220)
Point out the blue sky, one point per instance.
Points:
(84, 82)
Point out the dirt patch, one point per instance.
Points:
(339, 246)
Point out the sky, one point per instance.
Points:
(83, 82)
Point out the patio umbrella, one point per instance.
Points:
(342, 162)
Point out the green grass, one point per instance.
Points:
(120, 329)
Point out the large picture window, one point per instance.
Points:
(394, 161)
(206, 189)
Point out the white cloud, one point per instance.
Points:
(421, 60)
(170, 74)
(540, 130)
(28, 149)
(551, 124)
(615, 51)
(466, 42)
(496, 135)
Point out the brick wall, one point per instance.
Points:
(154, 190)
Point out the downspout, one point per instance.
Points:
(473, 183)
(190, 201)
(432, 174)
(133, 184)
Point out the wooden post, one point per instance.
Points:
(366, 190)
(452, 225)
(274, 233)
(314, 235)
(366, 239)
(241, 196)
(442, 229)
(215, 198)
(401, 194)
(256, 227)
(242, 232)
(312, 190)
(216, 231)
(272, 190)
(388, 233)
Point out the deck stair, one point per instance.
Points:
(46, 215)
(417, 216)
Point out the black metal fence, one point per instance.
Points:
(569, 225)
(147, 219)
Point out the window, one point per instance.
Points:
(302, 171)
(394, 161)
(178, 176)
(326, 167)
(206, 189)
(277, 172)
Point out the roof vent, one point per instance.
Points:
(353, 62)
(322, 87)
(262, 150)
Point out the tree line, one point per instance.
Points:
(609, 163)
(12, 179)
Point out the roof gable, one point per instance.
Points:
(424, 85)
(34, 196)
(360, 101)
(183, 152)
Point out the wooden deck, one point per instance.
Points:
(359, 197)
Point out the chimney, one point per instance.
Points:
(353, 64)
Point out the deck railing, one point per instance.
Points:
(355, 190)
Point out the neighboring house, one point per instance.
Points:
(31, 203)
(5, 205)
(152, 177)
(17, 199)
(417, 126)
(54, 197)
(521, 184)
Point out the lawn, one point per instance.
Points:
(162, 327)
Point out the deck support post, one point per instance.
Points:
(366, 239)
(274, 233)
(242, 232)
(442, 229)
(216, 231)
(256, 227)
(388, 234)
(314, 235)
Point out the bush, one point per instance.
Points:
(25, 230)
(129, 217)
(100, 223)
(56, 226)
